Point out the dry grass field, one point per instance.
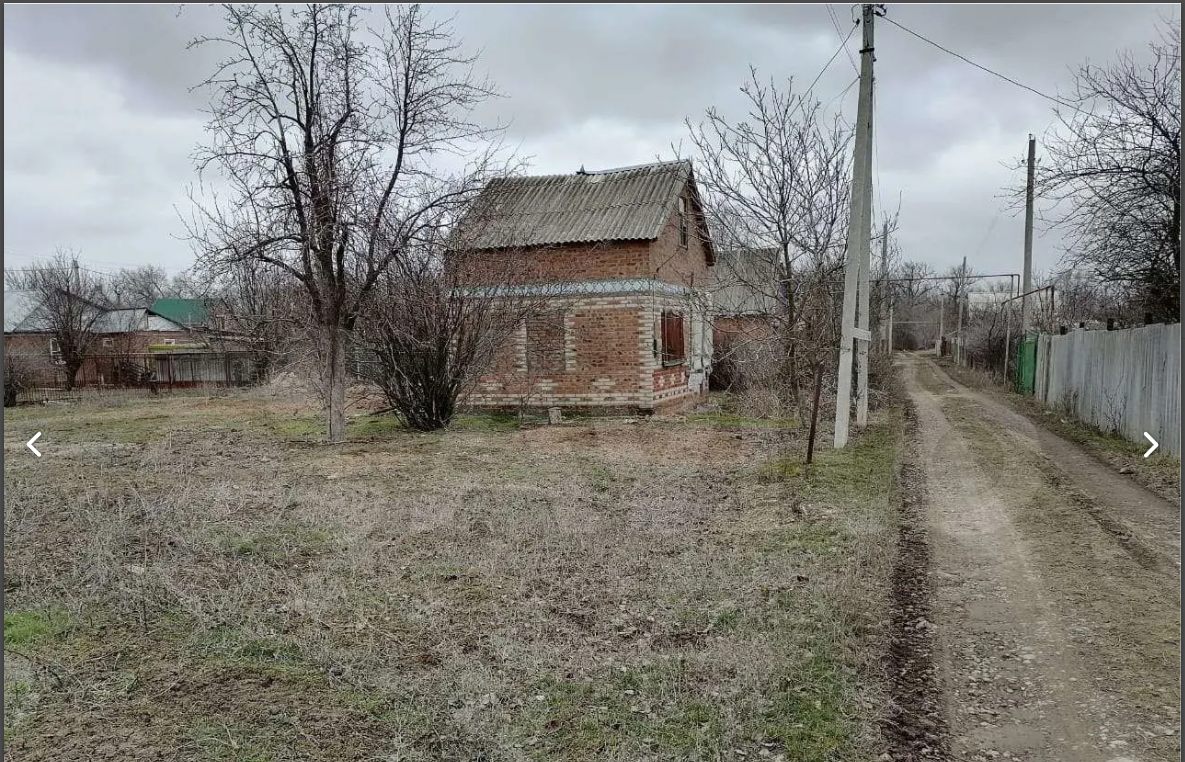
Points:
(194, 578)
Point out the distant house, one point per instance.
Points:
(627, 254)
(746, 295)
(128, 345)
(748, 310)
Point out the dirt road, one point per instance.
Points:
(1056, 588)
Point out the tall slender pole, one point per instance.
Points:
(858, 228)
(1027, 283)
(941, 329)
(959, 316)
(863, 318)
(886, 304)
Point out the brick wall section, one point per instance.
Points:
(728, 329)
(673, 262)
(609, 260)
(602, 364)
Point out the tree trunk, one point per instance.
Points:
(72, 369)
(333, 376)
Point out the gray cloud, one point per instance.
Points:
(100, 120)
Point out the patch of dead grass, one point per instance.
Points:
(599, 589)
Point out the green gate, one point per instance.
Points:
(1026, 365)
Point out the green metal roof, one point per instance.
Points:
(183, 311)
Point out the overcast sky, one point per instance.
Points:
(100, 121)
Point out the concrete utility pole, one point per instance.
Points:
(959, 318)
(941, 315)
(859, 225)
(886, 302)
(863, 302)
(1027, 277)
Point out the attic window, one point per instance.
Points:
(682, 221)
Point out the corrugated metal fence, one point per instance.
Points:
(1126, 382)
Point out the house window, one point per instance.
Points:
(672, 338)
(108, 343)
(682, 221)
(170, 342)
(545, 343)
(55, 353)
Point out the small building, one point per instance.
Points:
(746, 295)
(625, 258)
(127, 347)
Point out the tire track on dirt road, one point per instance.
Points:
(1057, 603)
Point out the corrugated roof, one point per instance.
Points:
(627, 204)
(183, 311)
(21, 313)
(133, 319)
(746, 282)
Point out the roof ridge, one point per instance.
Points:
(583, 172)
(614, 170)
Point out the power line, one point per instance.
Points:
(981, 67)
(843, 45)
(838, 31)
(843, 92)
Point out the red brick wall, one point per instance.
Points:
(32, 348)
(673, 262)
(602, 364)
(728, 329)
(572, 262)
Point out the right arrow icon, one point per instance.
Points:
(1155, 444)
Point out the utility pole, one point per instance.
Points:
(1027, 283)
(863, 304)
(886, 303)
(859, 224)
(941, 315)
(959, 318)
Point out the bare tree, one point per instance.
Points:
(914, 282)
(139, 286)
(324, 125)
(1112, 175)
(71, 302)
(958, 281)
(259, 310)
(432, 331)
(780, 180)
(18, 376)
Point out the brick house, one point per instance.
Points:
(128, 345)
(625, 257)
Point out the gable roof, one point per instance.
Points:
(183, 311)
(22, 312)
(133, 319)
(625, 204)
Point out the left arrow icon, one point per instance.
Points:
(29, 444)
